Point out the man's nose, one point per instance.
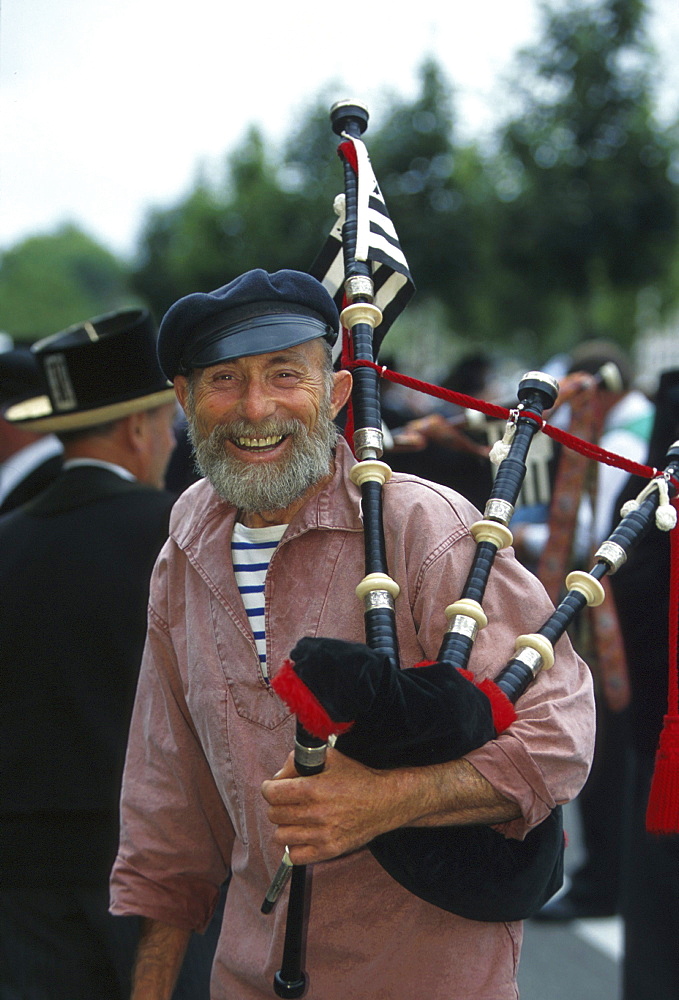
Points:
(256, 403)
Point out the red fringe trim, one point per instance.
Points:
(503, 711)
(501, 707)
(305, 705)
(315, 719)
(662, 812)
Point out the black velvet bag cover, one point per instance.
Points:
(427, 714)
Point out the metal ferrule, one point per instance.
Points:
(378, 599)
(310, 756)
(531, 658)
(543, 377)
(463, 625)
(611, 553)
(359, 286)
(499, 510)
(368, 443)
(280, 879)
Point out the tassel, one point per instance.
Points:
(665, 518)
(665, 515)
(500, 449)
(662, 811)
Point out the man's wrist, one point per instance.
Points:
(159, 960)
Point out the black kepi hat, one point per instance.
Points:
(20, 376)
(96, 371)
(256, 313)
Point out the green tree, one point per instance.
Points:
(49, 282)
(254, 217)
(438, 192)
(588, 215)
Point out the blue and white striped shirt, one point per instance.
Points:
(251, 551)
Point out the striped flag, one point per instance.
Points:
(376, 242)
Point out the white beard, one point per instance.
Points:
(254, 487)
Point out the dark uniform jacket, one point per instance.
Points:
(32, 484)
(75, 564)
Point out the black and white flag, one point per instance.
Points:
(376, 242)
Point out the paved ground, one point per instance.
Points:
(578, 961)
(567, 963)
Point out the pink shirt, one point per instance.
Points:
(207, 730)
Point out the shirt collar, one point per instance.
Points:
(22, 463)
(75, 463)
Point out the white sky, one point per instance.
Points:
(110, 106)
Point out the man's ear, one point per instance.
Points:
(341, 390)
(181, 389)
(137, 429)
(132, 438)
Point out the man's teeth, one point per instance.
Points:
(267, 442)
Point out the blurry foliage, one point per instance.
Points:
(565, 227)
(439, 196)
(49, 282)
(248, 219)
(591, 212)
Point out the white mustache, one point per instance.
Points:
(241, 431)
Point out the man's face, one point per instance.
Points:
(262, 425)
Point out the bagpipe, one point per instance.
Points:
(358, 696)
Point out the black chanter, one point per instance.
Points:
(290, 980)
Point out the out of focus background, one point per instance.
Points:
(528, 154)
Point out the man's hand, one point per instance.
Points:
(417, 434)
(347, 805)
(328, 814)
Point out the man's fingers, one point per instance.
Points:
(286, 791)
(308, 845)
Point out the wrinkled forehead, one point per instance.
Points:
(312, 354)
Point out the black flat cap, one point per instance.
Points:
(255, 313)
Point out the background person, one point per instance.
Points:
(75, 568)
(582, 512)
(29, 461)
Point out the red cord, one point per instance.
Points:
(586, 448)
